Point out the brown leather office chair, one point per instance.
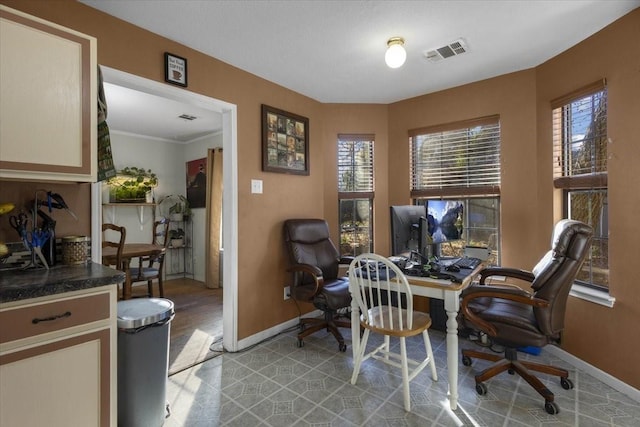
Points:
(314, 264)
(117, 243)
(150, 268)
(513, 317)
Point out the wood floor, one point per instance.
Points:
(197, 323)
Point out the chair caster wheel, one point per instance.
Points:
(551, 408)
(566, 383)
(466, 360)
(481, 389)
(300, 343)
(342, 347)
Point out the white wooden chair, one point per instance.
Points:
(386, 307)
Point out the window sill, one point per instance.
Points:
(592, 295)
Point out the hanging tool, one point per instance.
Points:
(34, 241)
(49, 248)
(20, 223)
(55, 200)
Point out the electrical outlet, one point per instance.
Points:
(287, 292)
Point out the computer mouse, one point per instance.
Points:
(453, 268)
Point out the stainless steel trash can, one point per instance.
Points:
(143, 358)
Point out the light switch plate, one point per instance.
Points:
(256, 186)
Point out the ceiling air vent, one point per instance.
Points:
(187, 117)
(452, 49)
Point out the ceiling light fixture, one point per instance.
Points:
(395, 55)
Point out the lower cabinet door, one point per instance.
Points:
(59, 383)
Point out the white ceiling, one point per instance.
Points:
(333, 51)
(134, 112)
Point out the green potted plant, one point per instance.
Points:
(132, 185)
(176, 237)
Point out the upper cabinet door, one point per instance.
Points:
(48, 101)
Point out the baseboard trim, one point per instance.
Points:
(597, 373)
(273, 331)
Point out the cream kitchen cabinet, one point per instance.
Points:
(48, 100)
(58, 360)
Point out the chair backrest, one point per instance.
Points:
(308, 242)
(557, 270)
(374, 281)
(117, 243)
(161, 232)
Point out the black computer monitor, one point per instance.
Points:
(405, 228)
(425, 242)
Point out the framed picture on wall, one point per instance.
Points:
(197, 183)
(285, 142)
(175, 69)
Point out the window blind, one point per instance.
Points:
(580, 142)
(456, 159)
(355, 165)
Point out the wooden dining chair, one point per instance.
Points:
(385, 303)
(117, 243)
(150, 268)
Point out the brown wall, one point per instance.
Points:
(521, 100)
(261, 274)
(358, 119)
(603, 336)
(596, 334)
(510, 96)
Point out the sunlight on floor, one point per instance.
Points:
(454, 418)
(193, 351)
(188, 396)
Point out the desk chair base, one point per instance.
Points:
(511, 364)
(311, 325)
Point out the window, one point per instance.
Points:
(355, 193)
(461, 161)
(580, 172)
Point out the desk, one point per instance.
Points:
(130, 250)
(432, 288)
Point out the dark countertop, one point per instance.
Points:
(16, 285)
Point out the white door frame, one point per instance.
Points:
(229, 195)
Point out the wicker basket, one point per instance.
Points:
(75, 250)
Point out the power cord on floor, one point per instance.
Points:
(221, 350)
(483, 340)
(217, 341)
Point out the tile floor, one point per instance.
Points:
(278, 384)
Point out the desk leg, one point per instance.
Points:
(355, 328)
(451, 306)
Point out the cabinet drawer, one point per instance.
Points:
(42, 318)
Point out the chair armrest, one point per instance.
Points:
(346, 260)
(515, 273)
(311, 270)
(495, 291)
(305, 268)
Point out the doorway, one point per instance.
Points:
(230, 178)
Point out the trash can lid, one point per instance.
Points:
(135, 313)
